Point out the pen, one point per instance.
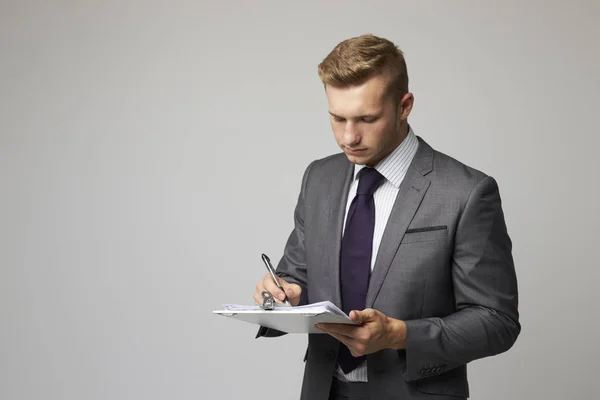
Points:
(272, 271)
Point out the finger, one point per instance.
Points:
(339, 329)
(292, 291)
(258, 293)
(258, 298)
(271, 287)
(355, 316)
(344, 339)
(350, 343)
(363, 316)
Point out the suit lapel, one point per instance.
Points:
(410, 194)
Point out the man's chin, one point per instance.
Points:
(355, 159)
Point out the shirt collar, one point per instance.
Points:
(394, 166)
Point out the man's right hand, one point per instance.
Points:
(292, 291)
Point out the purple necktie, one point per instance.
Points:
(355, 256)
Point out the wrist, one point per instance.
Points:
(396, 334)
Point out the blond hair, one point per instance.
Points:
(357, 59)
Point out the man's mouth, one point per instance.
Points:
(355, 152)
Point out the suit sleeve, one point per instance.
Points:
(485, 287)
(292, 266)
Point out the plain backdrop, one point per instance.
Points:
(151, 151)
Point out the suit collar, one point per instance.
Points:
(423, 160)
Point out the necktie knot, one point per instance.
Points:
(369, 181)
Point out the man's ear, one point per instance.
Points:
(405, 105)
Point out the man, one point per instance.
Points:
(408, 241)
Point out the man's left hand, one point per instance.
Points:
(376, 331)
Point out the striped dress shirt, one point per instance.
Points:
(393, 168)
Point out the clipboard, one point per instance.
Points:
(300, 319)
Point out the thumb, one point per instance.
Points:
(362, 316)
(292, 290)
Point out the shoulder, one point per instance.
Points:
(334, 161)
(326, 166)
(455, 183)
(457, 176)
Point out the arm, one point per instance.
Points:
(485, 289)
(292, 266)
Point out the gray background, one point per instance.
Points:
(151, 151)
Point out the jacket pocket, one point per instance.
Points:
(425, 234)
(427, 229)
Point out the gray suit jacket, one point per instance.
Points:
(444, 267)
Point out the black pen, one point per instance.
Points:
(272, 271)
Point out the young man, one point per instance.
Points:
(409, 241)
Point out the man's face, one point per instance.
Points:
(368, 124)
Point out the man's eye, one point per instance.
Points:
(338, 119)
(369, 120)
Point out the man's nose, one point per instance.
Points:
(351, 134)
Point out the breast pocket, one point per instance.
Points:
(425, 234)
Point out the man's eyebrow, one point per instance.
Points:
(360, 116)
